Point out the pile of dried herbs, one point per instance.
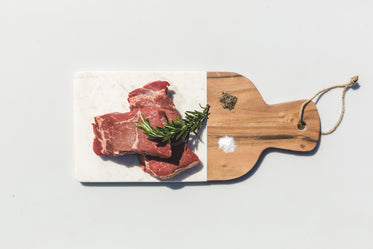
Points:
(228, 101)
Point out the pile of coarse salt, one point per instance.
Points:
(227, 144)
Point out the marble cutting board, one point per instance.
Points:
(253, 124)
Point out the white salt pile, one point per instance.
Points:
(227, 144)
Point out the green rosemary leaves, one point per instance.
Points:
(178, 128)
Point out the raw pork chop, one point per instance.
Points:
(155, 95)
(182, 158)
(116, 134)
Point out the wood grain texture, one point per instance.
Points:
(254, 125)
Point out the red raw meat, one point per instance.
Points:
(155, 95)
(116, 134)
(182, 158)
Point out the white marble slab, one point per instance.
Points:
(97, 93)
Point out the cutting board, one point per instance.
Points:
(254, 125)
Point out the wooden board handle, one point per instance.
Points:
(280, 126)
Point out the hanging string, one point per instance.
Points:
(302, 124)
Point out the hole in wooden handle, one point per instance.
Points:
(302, 125)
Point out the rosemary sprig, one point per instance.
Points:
(177, 128)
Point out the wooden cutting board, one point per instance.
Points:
(254, 125)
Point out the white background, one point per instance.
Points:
(289, 49)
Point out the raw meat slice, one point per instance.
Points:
(153, 95)
(182, 158)
(116, 134)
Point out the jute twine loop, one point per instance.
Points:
(302, 124)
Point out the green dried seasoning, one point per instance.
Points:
(228, 101)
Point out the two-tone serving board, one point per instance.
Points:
(254, 125)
